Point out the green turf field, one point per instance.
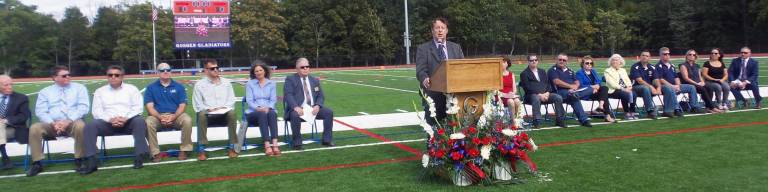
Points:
(683, 158)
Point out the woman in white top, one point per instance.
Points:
(619, 85)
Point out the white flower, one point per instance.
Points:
(452, 110)
(509, 132)
(427, 128)
(424, 160)
(535, 147)
(457, 136)
(482, 122)
(485, 152)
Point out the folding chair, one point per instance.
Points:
(287, 129)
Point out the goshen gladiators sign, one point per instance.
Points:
(201, 24)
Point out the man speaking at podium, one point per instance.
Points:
(429, 56)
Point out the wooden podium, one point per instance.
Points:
(468, 79)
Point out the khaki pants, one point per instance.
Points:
(183, 122)
(202, 127)
(5, 133)
(40, 130)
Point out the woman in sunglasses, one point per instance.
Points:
(716, 76)
(690, 74)
(588, 77)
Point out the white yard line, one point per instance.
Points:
(359, 74)
(400, 110)
(363, 113)
(223, 157)
(389, 88)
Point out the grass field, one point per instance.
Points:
(723, 152)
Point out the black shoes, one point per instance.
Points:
(652, 115)
(667, 114)
(678, 113)
(90, 165)
(79, 165)
(7, 164)
(328, 144)
(586, 124)
(36, 168)
(561, 123)
(138, 161)
(297, 147)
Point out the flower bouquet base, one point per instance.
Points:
(502, 171)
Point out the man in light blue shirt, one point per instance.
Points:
(60, 109)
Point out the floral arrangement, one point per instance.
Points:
(472, 149)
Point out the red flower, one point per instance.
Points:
(456, 156)
(487, 140)
(453, 123)
(441, 131)
(524, 136)
(473, 152)
(439, 153)
(476, 141)
(513, 127)
(472, 130)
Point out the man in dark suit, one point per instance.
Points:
(429, 56)
(538, 90)
(743, 74)
(302, 91)
(14, 113)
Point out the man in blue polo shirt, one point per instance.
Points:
(565, 84)
(166, 100)
(646, 83)
(670, 86)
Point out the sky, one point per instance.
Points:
(88, 7)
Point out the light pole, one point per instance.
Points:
(407, 36)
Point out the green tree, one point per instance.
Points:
(257, 26)
(611, 30)
(74, 35)
(25, 40)
(134, 41)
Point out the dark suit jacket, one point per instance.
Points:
(428, 58)
(293, 93)
(532, 86)
(18, 114)
(735, 70)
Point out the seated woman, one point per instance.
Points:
(714, 72)
(509, 96)
(690, 74)
(261, 96)
(619, 85)
(588, 77)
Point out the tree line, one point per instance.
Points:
(341, 33)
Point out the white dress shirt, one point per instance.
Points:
(209, 95)
(125, 101)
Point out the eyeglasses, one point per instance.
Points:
(304, 67)
(65, 76)
(114, 75)
(664, 53)
(588, 63)
(164, 70)
(562, 59)
(715, 53)
(213, 68)
(744, 52)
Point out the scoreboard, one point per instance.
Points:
(201, 24)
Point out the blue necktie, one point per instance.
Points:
(441, 51)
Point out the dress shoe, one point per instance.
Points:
(182, 155)
(157, 158)
(586, 124)
(90, 165)
(79, 165)
(232, 153)
(652, 115)
(329, 144)
(679, 113)
(758, 106)
(536, 125)
(561, 123)
(7, 164)
(667, 114)
(297, 147)
(138, 162)
(201, 156)
(36, 168)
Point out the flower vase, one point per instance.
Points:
(460, 178)
(502, 171)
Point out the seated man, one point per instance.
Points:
(302, 91)
(166, 100)
(567, 86)
(214, 98)
(743, 74)
(14, 113)
(60, 108)
(646, 83)
(670, 86)
(537, 88)
(117, 108)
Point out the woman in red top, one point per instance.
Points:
(509, 92)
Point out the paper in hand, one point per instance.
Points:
(308, 116)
